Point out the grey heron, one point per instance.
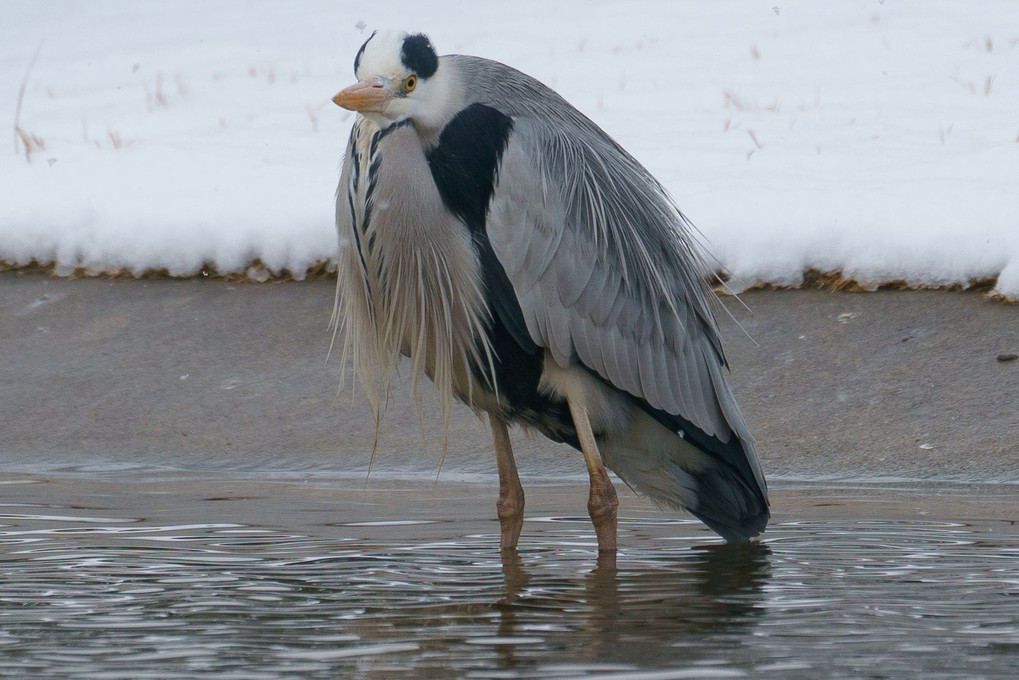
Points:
(537, 272)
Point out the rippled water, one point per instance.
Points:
(280, 582)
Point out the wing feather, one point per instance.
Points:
(571, 274)
(649, 368)
(603, 264)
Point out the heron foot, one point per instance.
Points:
(510, 508)
(602, 505)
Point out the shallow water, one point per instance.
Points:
(235, 579)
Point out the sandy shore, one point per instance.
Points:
(234, 378)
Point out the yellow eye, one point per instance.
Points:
(409, 83)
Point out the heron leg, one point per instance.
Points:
(602, 502)
(510, 506)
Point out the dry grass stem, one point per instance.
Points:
(114, 140)
(182, 86)
(732, 100)
(31, 142)
(313, 112)
(157, 99)
(19, 134)
(945, 131)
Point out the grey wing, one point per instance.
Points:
(605, 275)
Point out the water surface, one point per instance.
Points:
(241, 579)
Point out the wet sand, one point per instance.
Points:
(233, 379)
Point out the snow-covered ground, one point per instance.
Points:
(877, 139)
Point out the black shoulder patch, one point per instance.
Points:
(466, 160)
(464, 166)
(419, 56)
(357, 58)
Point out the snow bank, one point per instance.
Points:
(875, 139)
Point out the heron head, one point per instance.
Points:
(398, 77)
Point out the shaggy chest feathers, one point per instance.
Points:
(409, 281)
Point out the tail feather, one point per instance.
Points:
(675, 472)
(730, 507)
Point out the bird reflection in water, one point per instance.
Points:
(626, 611)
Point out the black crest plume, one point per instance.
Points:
(419, 56)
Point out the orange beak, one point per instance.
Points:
(367, 96)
